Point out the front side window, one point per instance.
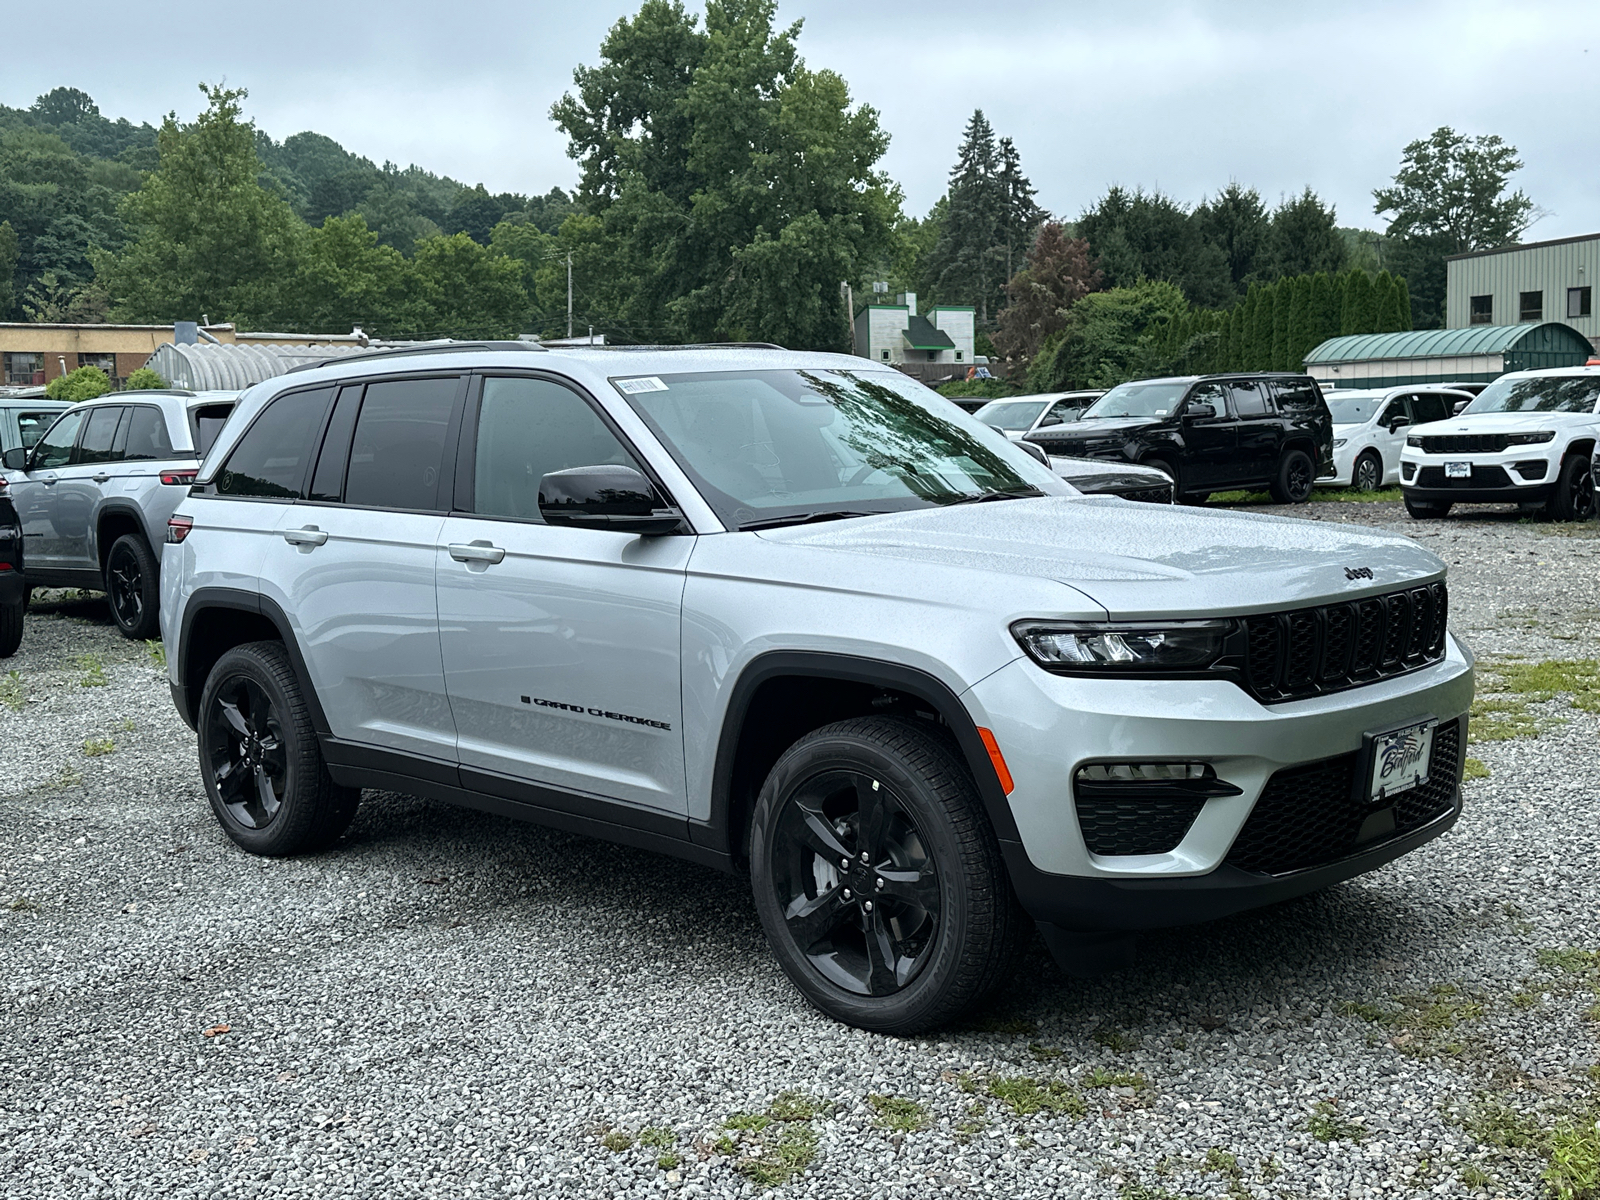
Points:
(31, 425)
(100, 435)
(1139, 400)
(1213, 394)
(528, 428)
(1249, 398)
(1549, 393)
(1530, 306)
(1428, 408)
(398, 448)
(1395, 408)
(270, 459)
(55, 448)
(1578, 302)
(1482, 311)
(778, 444)
(146, 435)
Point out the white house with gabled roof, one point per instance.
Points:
(897, 333)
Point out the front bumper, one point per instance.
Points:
(1495, 478)
(1049, 725)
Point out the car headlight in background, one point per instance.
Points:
(1530, 439)
(1337, 442)
(1414, 441)
(1079, 648)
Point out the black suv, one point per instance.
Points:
(1211, 433)
(13, 584)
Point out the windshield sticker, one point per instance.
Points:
(644, 383)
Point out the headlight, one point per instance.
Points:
(1073, 648)
(1337, 442)
(1530, 439)
(1413, 441)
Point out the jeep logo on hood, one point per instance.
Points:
(1358, 572)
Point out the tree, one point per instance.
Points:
(1358, 314)
(143, 379)
(56, 205)
(8, 268)
(1258, 332)
(343, 277)
(1324, 309)
(1450, 196)
(1137, 235)
(1110, 337)
(1235, 222)
(1282, 297)
(83, 384)
(464, 291)
(210, 238)
(1386, 304)
(1303, 238)
(1058, 274)
(1301, 332)
(55, 301)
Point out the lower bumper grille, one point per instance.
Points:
(1311, 815)
(1481, 477)
(1146, 826)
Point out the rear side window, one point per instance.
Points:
(1249, 398)
(1426, 408)
(99, 435)
(146, 436)
(207, 422)
(270, 459)
(398, 446)
(31, 425)
(1297, 395)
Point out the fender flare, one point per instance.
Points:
(121, 508)
(851, 669)
(239, 600)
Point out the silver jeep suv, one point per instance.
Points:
(94, 493)
(795, 614)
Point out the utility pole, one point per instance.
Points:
(569, 293)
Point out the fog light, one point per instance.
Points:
(1409, 470)
(1533, 469)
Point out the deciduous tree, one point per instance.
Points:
(1057, 275)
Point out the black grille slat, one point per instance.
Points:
(1311, 815)
(1309, 651)
(1135, 826)
(1465, 443)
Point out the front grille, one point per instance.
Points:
(1312, 815)
(1151, 495)
(1465, 443)
(1481, 477)
(1135, 826)
(1311, 651)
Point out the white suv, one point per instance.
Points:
(1370, 427)
(1527, 439)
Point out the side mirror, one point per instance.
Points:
(15, 459)
(1396, 423)
(1456, 408)
(617, 498)
(1036, 450)
(1048, 421)
(1200, 412)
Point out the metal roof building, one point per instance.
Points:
(1479, 353)
(205, 366)
(1538, 281)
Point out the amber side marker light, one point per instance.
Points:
(998, 759)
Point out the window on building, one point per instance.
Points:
(1530, 306)
(106, 362)
(885, 356)
(1578, 302)
(958, 356)
(24, 368)
(1482, 311)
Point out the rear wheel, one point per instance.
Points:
(259, 757)
(1367, 474)
(11, 626)
(133, 587)
(1574, 495)
(1427, 510)
(1292, 484)
(878, 878)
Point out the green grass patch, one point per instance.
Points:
(94, 671)
(1540, 681)
(1100, 1078)
(12, 694)
(657, 1137)
(1318, 496)
(1573, 1172)
(1025, 1096)
(795, 1106)
(1115, 1040)
(1475, 769)
(776, 1160)
(158, 652)
(669, 1161)
(898, 1113)
(617, 1140)
(1499, 1125)
(96, 747)
(1475, 1177)
(748, 1122)
(1326, 1124)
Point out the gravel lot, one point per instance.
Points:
(451, 1004)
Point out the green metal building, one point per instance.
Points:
(1476, 354)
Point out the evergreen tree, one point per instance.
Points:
(963, 261)
(1236, 223)
(1300, 333)
(1282, 298)
(1405, 303)
(1236, 326)
(1357, 316)
(1324, 309)
(1020, 217)
(1304, 238)
(1258, 351)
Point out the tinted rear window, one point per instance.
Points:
(270, 459)
(1296, 394)
(207, 422)
(147, 434)
(399, 444)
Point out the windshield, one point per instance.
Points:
(1138, 400)
(766, 445)
(1011, 414)
(1547, 393)
(1352, 410)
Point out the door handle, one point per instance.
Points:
(100, 478)
(476, 552)
(48, 480)
(310, 535)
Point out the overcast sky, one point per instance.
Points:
(1178, 96)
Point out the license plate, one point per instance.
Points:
(1458, 470)
(1400, 759)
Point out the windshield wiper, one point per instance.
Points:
(828, 514)
(985, 497)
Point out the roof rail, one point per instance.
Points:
(687, 346)
(409, 351)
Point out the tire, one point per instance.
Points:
(1173, 472)
(1574, 495)
(946, 928)
(11, 627)
(1367, 474)
(287, 802)
(1428, 510)
(133, 588)
(1296, 474)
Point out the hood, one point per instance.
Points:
(1103, 471)
(1140, 559)
(1505, 423)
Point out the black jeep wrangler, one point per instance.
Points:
(1211, 433)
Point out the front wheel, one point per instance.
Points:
(260, 760)
(133, 587)
(1292, 484)
(1427, 510)
(1574, 494)
(1368, 473)
(878, 878)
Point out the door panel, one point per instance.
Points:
(1213, 442)
(34, 494)
(1260, 432)
(81, 486)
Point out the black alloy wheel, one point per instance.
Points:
(1294, 479)
(1574, 497)
(878, 877)
(245, 753)
(133, 587)
(859, 893)
(1368, 474)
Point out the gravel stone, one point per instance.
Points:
(450, 1004)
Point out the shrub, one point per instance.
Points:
(143, 380)
(83, 384)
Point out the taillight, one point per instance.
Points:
(178, 527)
(183, 478)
